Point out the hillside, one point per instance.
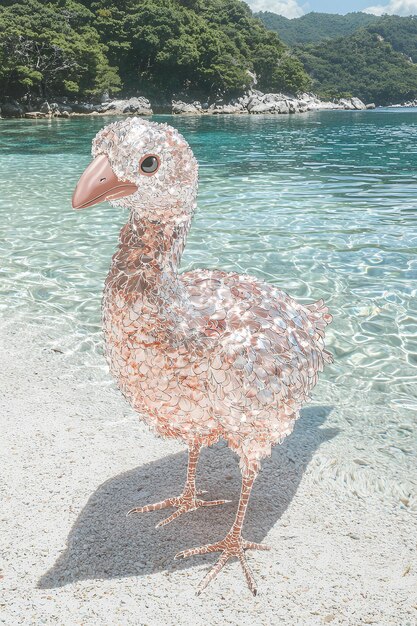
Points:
(373, 58)
(364, 64)
(314, 27)
(400, 32)
(159, 48)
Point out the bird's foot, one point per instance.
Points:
(232, 545)
(187, 501)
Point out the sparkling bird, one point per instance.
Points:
(200, 355)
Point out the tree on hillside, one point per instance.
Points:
(400, 32)
(204, 48)
(363, 65)
(47, 49)
(314, 27)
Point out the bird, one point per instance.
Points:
(200, 355)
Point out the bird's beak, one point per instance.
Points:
(99, 183)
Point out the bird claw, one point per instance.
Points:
(152, 507)
(231, 545)
(183, 503)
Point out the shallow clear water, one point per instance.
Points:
(323, 204)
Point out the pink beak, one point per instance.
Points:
(98, 183)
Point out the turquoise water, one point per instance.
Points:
(323, 204)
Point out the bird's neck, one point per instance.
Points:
(144, 270)
(153, 246)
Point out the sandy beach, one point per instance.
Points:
(76, 459)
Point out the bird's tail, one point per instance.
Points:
(320, 318)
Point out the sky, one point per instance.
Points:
(297, 8)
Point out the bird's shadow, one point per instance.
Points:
(104, 543)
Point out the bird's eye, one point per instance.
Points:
(149, 164)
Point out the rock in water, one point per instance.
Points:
(139, 106)
(352, 104)
(358, 104)
(180, 108)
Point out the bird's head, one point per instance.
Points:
(141, 165)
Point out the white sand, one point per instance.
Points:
(75, 459)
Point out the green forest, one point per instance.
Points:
(373, 58)
(204, 49)
(314, 27)
(158, 48)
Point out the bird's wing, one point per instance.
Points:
(268, 349)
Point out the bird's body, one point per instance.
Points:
(205, 354)
(208, 354)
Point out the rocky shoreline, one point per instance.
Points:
(404, 105)
(254, 103)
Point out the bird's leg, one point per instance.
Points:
(233, 544)
(188, 500)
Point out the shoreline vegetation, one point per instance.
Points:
(82, 57)
(254, 102)
(162, 49)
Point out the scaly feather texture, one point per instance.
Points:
(205, 354)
